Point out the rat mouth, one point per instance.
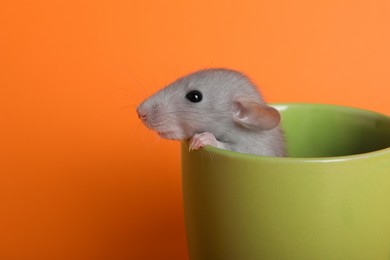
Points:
(156, 126)
(166, 129)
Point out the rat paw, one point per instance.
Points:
(203, 139)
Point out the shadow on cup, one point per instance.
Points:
(330, 199)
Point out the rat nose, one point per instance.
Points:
(141, 113)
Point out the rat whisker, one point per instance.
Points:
(169, 100)
(192, 119)
(140, 87)
(128, 106)
(194, 112)
(185, 111)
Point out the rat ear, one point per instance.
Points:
(254, 115)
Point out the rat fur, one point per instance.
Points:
(218, 107)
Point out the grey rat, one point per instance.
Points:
(217, 107)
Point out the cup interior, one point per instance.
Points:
(314, 130)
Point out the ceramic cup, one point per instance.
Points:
(330, 199)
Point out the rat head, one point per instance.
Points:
(212, 100)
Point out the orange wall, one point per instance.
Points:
(81, 178)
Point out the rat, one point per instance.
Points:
(217, 107)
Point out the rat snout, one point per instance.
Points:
(141, 113)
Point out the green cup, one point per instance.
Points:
(330, 199)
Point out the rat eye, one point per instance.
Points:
(194, 96)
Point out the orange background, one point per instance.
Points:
(81, 177)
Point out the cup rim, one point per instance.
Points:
(281, 106)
